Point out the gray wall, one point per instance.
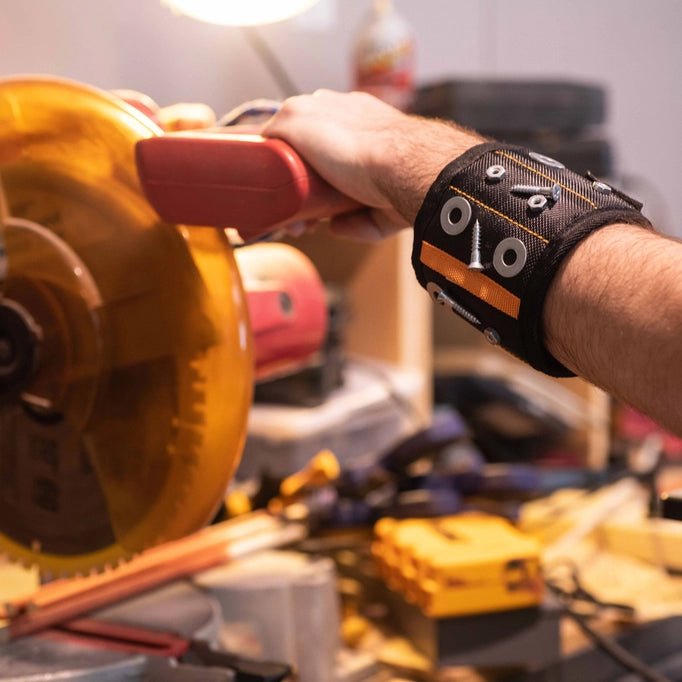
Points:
(631, 46)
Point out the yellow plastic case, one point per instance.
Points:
(459, 565)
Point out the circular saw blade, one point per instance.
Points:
(3, 252)
(125, 354)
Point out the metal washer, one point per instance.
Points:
(434, 290)
(510, 269)
(492, 336)
(452, 204)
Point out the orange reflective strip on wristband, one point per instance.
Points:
(474, 282)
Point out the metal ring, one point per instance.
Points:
(458, 226)
(503, 268)
(434, 290)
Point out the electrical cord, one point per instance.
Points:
(271, 62)
(575, 598)
(617, 652)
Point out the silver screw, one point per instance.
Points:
(444, 299)
(463, 312)
(441, 297)
(475, 262)
(553, 192)
(495, 173)
(537, 203)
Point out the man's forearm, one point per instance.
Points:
(421, 148)
(614, 315)
(614, 309)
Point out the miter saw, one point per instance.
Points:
(126, 353)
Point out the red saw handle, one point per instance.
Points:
(230, 180)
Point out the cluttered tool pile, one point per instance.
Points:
(139, 549)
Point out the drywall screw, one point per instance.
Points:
(475, 261)
(460, 310)
(537, 203)
(495, 173)
(441, 297)
(553, 192)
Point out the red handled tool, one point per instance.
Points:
(287, 307)
(168, 647)
(225, 179)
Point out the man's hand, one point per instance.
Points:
(371, 152)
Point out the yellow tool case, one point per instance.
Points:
(459, 565)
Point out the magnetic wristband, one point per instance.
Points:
(492, 232)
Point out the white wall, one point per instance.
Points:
(631, 46)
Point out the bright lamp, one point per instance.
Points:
(240, 12)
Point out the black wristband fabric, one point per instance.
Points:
(492, 232)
